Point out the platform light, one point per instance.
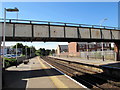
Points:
(6, 10)
(12, 10)
(102, 42)
(102, 21)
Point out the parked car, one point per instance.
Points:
(8, 56)
(11, 56)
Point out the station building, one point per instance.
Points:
(74, 48)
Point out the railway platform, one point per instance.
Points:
(37, 74)
(96, 62)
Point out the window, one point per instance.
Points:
(82, 46)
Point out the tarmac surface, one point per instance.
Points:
(37, 74)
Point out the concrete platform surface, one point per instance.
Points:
(37, 74)
(97, 62)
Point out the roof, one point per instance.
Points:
(85, 43)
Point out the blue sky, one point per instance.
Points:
(75, 12)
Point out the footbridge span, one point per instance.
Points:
(26, 30)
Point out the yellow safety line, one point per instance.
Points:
(54, 79)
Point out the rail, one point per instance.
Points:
(57, 23)
(89, 77)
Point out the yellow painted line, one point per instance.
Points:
(54, 79)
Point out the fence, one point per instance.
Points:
(108, 55)
(98, 55)
(21, 59)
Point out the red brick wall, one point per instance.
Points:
(66, 53)
(72, 47)
(74, 54)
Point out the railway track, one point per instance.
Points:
(81, 73)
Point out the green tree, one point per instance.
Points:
(43, 52)
(52, 51)
(20, 45)
(47, 52)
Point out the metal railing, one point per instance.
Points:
(57, 23)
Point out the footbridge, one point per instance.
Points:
(31, 30)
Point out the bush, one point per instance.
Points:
(7, 63)
(22, 55)
(10, 62)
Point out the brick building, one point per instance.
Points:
(75, 48)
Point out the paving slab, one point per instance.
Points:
(37, 74)
(96, 62)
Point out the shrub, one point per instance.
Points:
(10, 62)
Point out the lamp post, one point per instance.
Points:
(30, 54)
(87, 50)
(30, 50)
(6, 10)
(102, 21)
(16, 45)
(26, 50)
(16, 54)
(102, 42)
